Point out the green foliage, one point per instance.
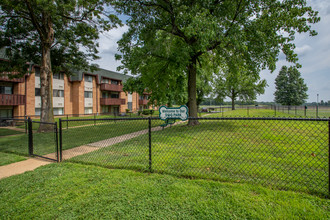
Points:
(135, 85)
(238, 83)
(168, 41)
(290, 87)
(66, 26)
(147, 111)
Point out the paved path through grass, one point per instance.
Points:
(33, 163)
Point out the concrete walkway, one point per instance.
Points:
(33, 163)
(21, 167)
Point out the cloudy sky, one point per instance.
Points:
(313, 53)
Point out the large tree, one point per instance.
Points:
(57, 35)
(290, 87)
(171, 39)
(238, 83)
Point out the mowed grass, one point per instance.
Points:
(6, 158)
(6, 132)
(280, 154)
(249, 113)
(45, 143)
(67, 191)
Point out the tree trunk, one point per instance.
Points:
(192, 92)
(46, 76)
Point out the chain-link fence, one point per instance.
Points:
(307, 111)
(43, 144)
(21, 137)
(289, 154)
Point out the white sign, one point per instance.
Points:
(173, 113)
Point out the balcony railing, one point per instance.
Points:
(112, 101)
(6, 99)
(143, 102)
(111, 87)
(6, 79)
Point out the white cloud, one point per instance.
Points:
(314, 56)
(108, 48)
(303, 50)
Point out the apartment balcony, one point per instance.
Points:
(143, 102)
(12, 99)
(111, 87)
(112, 101)
(6, 79)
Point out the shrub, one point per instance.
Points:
(147, 111)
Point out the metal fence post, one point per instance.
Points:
(329, 156)
(26, 124)
(67, 122)
(30, 136)
(60, 137)
(275, 109)
(317, 111)
(94, 119)
(56, 140)
(305, 110)
(248, 111)
(150, 159)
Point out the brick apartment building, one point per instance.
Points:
(83, 93)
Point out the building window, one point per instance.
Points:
(58, 75)
(37, 91)
(105, 95)
(129, 105)
(58, 93)
(88, 110)
(105, 109)
(6, 113)
(114, 82)
(58, 111)
(88, 94)
(37, 111)
(6, 90)
(105, 80)
(88, 78)
(141, 97)
(114, 95)
(37, 71)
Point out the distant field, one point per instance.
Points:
(253, 111)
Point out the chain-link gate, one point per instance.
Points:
(43, 144)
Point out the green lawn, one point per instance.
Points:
(250, 113)
(6, 158)
(281, 154)
(253, 112)
(44, 143)
(6, 132)
(67, 191)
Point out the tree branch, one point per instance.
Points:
(34, 19)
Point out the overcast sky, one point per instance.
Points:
(313, 53)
